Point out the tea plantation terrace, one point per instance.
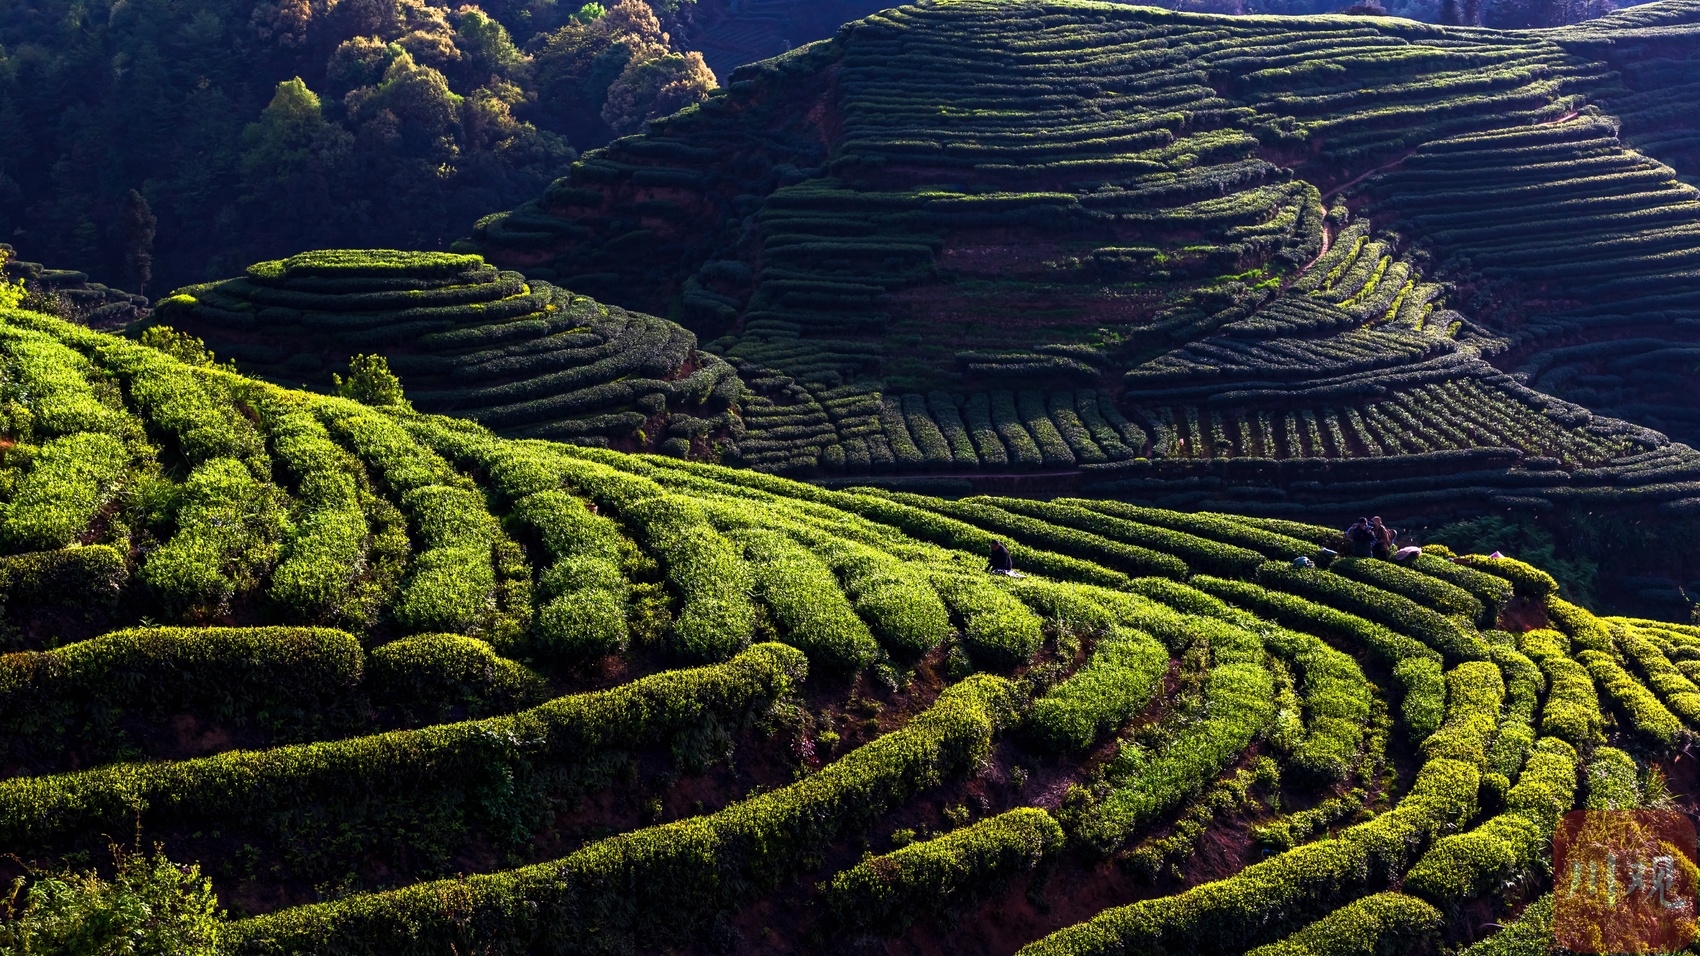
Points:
(522, 356)
(398, 684)
(1048, 236)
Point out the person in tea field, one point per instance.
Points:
(1360, 539)
(1384, 537)
(1001, 563)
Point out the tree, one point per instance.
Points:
(136, 224)
(656, 87)
(371, 382)
(150, 907)
(181, 346)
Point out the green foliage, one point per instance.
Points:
(584, 595)
(1474, 693)
(1229, 914)
(229, 528)
(1646, 715)
(1124, 671)
(86, 577)
(998, 630)
(181, 346)
(259, 791)
(70, 479)
(1572, 711)
(371, 382)
(711, 579)
(1454, 640)
(662, 883)
(807, 603)
(325, 548)
(149, 906)
(295, 679)
(430, 674)
(1464, 865)
(1383, 924)
(1238, 704)
(889, 892)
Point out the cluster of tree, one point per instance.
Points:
(170, 141)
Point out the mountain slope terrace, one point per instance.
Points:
(1184, 259)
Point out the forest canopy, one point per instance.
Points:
(254, 131)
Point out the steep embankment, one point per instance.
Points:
(516, 695)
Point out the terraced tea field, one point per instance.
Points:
(1274, 254)
(522, 356)
(399, 685)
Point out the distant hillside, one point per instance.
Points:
(1209, 261)
(522, 356)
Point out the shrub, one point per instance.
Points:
(1455, 641)
(1678, 692)
(1125, 670)
(1586, 631)
(996, 628)
(1491, 590)
(1613, 782)
(892, 596)
(1474, 693)
(585, 598)
(70, 479)
(453, 578)
(1465, 865)
(1231, 914)
(84, 576)
(1336, 699)
(54, 380)
(1572, 711)
(938, 529)
(229, 528)
(187, 404)
(887, 893)
(1528, 581)
(326, 549)
(370, 382)
(427, 675)
(1424, 706)
(712, 581)
(1199, 553)
(150, 906)
(1529, 935)
(806, 602)
(292, 680)
(1646, 715)
(1238, 704)
(1427, 591)
(1045, 533)
(1383, 924)
(1389, 648)
(263, 790)
(659, 885)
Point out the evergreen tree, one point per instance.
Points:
(136, 224)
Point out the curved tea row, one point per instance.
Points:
(422, 688)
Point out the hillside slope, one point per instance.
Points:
(1262, 253)
(521, 356)
(421, 689)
